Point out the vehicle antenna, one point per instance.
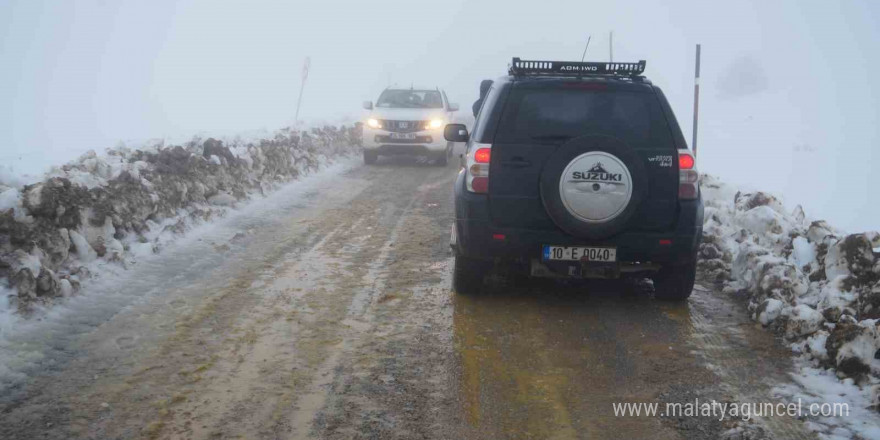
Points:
(611, 46)
(589, 37)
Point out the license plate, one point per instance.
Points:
(580, 253)
(408, 136)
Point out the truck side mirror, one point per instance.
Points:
(456, 133)
(453, 107)
(368, 105)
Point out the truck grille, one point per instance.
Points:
(403, 126)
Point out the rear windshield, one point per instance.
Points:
(558, 114)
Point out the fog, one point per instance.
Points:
(788, 103)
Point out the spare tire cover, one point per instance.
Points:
(592, 185)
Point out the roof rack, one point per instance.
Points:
(573, 68)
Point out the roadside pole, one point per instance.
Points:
(696, 100)
(611, 46)
(305, 74)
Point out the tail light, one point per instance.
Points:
(688, 177)
(477, 163)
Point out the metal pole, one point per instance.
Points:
(305, 74)
(696, 100)
(611, 46)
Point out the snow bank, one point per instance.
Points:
(811, 283)
(130, 202)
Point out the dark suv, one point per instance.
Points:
(577, 170)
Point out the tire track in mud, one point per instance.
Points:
(242, 333)
(342, 325)
(391, 383)
(241, 353)
(318, 290)
(749, 362)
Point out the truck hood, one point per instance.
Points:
(408, 114)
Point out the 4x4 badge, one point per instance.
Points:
(597, 173)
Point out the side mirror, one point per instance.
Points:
(453, 107)
(368, 105)
(456, 133)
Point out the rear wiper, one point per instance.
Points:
(551, 137)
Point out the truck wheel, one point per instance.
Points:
(675, 282)
(467, 275)
(441, 160)
(370, 157)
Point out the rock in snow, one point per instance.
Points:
(222, 199)
(769, 310)
(803, 320)
(851, 256)
(118, 206)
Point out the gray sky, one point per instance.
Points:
(787, 105)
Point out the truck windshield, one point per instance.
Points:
(410, 99)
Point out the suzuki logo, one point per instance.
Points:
(402, 124)
(597, 173)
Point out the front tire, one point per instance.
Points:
(370, 157)
(467, 275)
(675, 282)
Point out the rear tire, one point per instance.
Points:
(467, 275)
(676, 281)
(370, 157)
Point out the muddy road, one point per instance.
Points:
(329, 315)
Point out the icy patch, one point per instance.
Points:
(823, 387)
(84, 250)
(804, 252)
(10, 199)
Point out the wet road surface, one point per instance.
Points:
(330, 316)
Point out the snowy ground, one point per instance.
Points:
(332, 318)
(91, 221)
(103, 213)
(815, 286)
(25, 341)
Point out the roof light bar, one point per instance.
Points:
(574, 68)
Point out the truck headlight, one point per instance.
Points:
(435, 123)
(374, 123)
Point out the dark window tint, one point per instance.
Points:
(484, 124)
(558, 114)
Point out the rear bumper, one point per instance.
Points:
(475, 236)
